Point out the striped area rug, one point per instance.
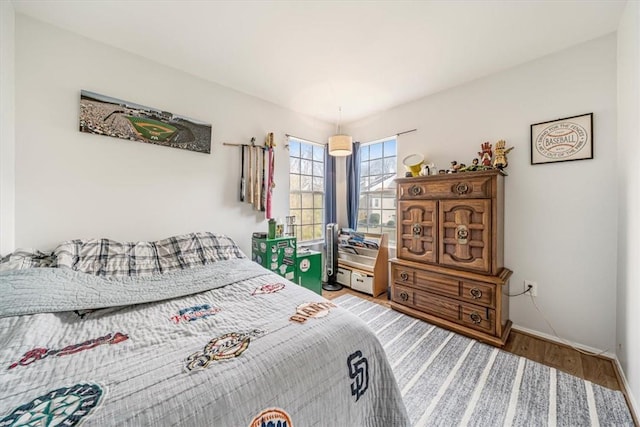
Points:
(448, 379)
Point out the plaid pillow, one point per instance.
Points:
(27, 258)
(105, 257)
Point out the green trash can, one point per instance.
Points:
(309, 270)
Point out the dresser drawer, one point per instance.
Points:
(436, 283)
(478, 293)
(403, 295)
(400, 274)
(446, 308)
(425, 281)
(480, 318)
(469, 315)
(465, 185)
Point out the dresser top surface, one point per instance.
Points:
(451, 176)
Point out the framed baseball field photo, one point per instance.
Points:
(105, 115)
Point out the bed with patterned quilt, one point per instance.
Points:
(182, 331)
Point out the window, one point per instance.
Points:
(377, 206)
(306, 188)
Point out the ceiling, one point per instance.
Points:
(314, 57)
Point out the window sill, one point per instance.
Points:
(306, 243)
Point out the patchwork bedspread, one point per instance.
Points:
(225, 344)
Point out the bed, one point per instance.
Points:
(184, 331)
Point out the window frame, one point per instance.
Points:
(317, 164)
(386, 211)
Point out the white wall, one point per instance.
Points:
(7, 132)
(628, 338)
(561, 218)
(77, 185)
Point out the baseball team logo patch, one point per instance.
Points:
(40, 353)
(268, 288)
(311, 309)
(190, 314)
(305, 265)
(223, 347)
(272, 417)
(66, 406)
(359, 373)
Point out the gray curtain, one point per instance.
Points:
(353, 185)
(330, 214)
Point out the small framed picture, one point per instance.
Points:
(562, 140)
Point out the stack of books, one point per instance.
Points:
(350, 240)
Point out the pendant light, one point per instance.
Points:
(340, 145)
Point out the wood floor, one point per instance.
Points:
(597, 369)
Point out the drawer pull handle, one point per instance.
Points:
(475, 293)
(404, 296)
(415, 190)
(462, 188)
(475, 318)
(404, 276)
(462, 234)
(417, 230)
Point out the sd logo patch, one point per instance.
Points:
(359, 373)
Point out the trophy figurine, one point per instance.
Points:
(500, 162)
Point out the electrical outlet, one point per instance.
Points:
(534, 287)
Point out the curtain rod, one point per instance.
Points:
(323, 145)
(406, 131)
(388, 137)
(245, 145)
(304, 139)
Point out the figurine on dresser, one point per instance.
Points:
(474, 165)
(485, 154)
(500, 161)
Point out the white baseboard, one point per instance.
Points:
(605, 353)
(630, 399)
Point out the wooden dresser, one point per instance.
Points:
(449, 267)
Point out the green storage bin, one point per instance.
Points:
(277, 255)
(310, 270)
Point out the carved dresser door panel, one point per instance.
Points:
(465, 227)
(417, 230)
